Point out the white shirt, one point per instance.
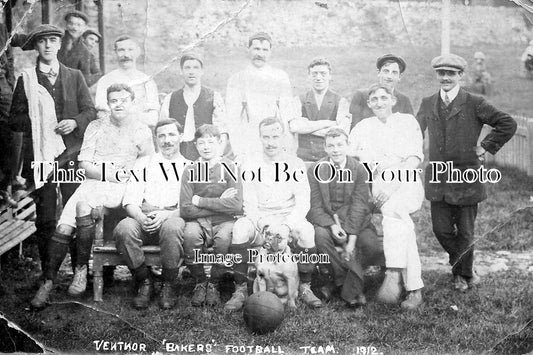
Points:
(290, 199)
(452, 94)
(146, 95)
(45, 68)
(162, 186)
(219, 112)
(267, 92)
(387, 143)
(319, 98)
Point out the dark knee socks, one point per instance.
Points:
(85, 229)
(305, 269)
(57, 250)
(240, 271)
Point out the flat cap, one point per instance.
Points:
(41, 31)
(449, 62)
(77, 13)
(191, 55)
(401, 63)
(262, 36)
(91, 31)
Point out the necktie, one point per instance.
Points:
(447, 101)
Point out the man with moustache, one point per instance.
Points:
(254, 93)
(209, 209)
(119, 141)
(282, 205)
(454, 119)
(146, 97)
(153, 217)
(322, 109)
(194, 105)
(390, 70)
(52, 107)
(341, 217)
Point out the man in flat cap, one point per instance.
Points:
(321, 109)
(52, 105)
(454, 119)
(146, 97)
(73, 52)
(194, 105)
(91, 38)
(390, 70)
(257, 92)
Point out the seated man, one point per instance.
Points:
(209, 201)
(153, 217)
(118, 141)
(194, 105)
(321, 110)
(339, 193)
(268, 198)
(394, 142)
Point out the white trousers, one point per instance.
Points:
(399, 238)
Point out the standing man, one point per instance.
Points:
(210, 200)
(280, 202)
(153, 217)
(52, 105)
(254, 93)
(454, 119)
(146, 98)
(390, 70)
(73, 52)
(194, 105)
(322, 109)
(344, 202)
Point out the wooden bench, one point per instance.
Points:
(105, 251)
(16, 223)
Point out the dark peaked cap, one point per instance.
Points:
(401, 63)
(41, 31)
(77, 13)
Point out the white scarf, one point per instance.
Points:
(47, 144)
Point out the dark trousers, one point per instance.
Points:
(453, 226)
(46, 208)
(130, 237)
(349, 275)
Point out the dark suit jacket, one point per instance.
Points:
(454, 139)
(78, 106)
(354, 213)
(79, 57)
(360, 110)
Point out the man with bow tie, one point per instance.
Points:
(52, 105)
(454, 119)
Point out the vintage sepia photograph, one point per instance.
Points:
(266, 177)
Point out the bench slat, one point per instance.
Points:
(11, 225)
(17, 237)
(26, 213)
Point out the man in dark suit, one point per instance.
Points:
(321, 110)
(54, 101)
(454, 119)
(390, 69)
(341, 217)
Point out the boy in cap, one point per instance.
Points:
(321, 109)
(52, 105)
(194, 105)
(454, 119)
(390, 70)
(254, 93)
